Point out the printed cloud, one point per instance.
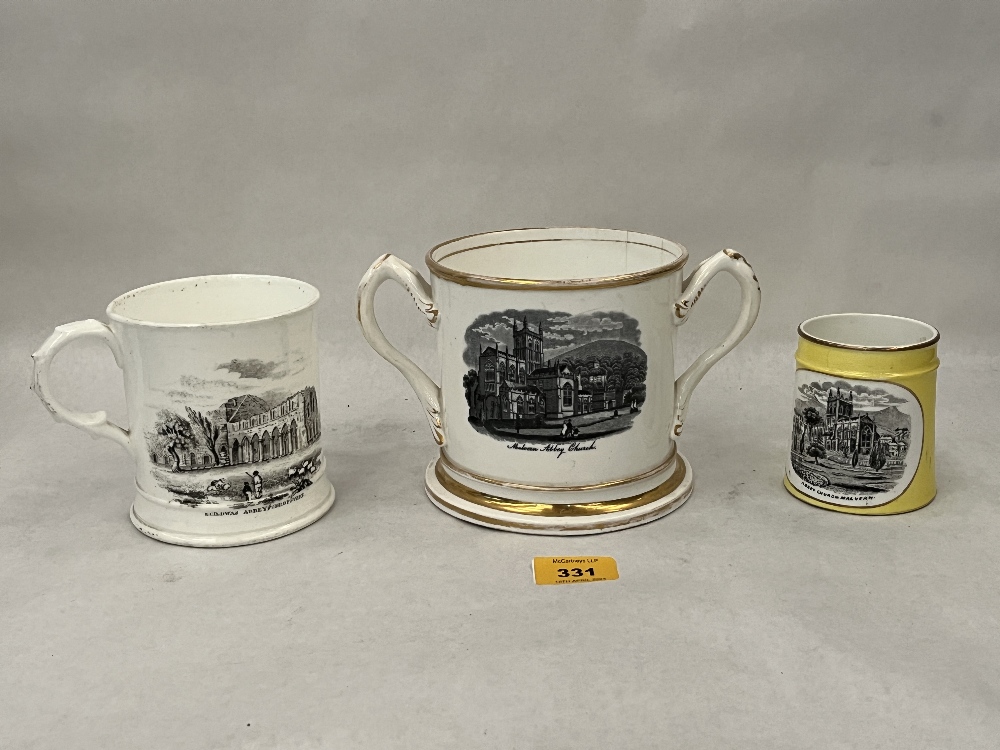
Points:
(252, 368)
(562, 331)
(865, 398)
(588, 323)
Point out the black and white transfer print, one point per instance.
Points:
(536, 376)
(253, 445)
(854, 442)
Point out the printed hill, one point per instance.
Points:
(890, 419)
(600, 349)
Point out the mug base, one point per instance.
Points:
(323, 499)
(666, 498)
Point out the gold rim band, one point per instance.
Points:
(500, 282)
(452, 466)
(562, 509)
(859, 348)
(597, 525)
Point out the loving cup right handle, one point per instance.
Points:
(96, 422)
(727, 261)
(387, 268)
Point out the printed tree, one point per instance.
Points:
(614, 382)
(176, 434)
(208, 428)
(633, 375)
(470, 381)
(812, 418)
(877, 457)
(817, 451)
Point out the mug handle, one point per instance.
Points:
(733, 263)
(386, 268)
(95, 422)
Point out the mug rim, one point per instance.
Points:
(935, 337)
(311, 290)
(465, 278)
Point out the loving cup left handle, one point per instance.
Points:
(387, 268)
(95, 422)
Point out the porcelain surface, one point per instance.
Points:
(557, 369)
(863, 418)
(224, 425)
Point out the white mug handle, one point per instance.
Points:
(386, 268)
(95, 422)
(733, 263)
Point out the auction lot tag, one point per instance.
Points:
(555, 570)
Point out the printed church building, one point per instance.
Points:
(255, 433)
(521, 384)
(845, 432)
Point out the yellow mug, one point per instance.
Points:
(863, 422)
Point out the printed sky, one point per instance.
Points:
(236, 377)
(865, 398)
(563, 332)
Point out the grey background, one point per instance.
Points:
(851, 150)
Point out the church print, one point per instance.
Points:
(252, 448)
(542, 376)
(853, 442)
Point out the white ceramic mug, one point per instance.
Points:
(558, 407)
(220, 387)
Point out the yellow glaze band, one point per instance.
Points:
(912, 368)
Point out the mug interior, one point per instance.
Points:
(213, 300)
(564, 255)
(869, 331)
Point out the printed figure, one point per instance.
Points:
(248, 492)
(544, 376)
(258, 484)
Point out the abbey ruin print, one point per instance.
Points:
(852, 440)
(255, 447)
(545, 377)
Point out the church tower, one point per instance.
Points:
(528, 345)
(838, 406)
